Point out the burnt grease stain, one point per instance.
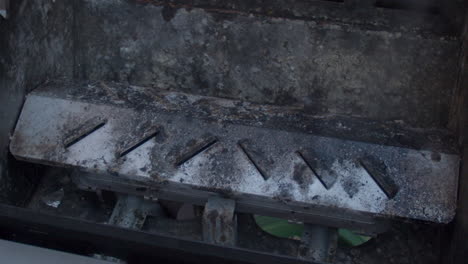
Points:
(350, 187)
(303, 177)
(435, 156)
(168, 13)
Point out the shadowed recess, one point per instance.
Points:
(379, 172)
(195, 150)
(254, 157)
(83, 131)
(313, 169)
(132, 146)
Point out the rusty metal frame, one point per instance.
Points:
(124, 242)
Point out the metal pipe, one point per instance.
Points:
(318, 243)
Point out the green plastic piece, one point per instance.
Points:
(285, 229)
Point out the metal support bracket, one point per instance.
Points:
(220, 222)
(318, 243)
(131, 211)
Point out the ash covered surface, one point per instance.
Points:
(319, 67)
(224, 155)
(37, 44)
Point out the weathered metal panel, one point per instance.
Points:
(197, 154)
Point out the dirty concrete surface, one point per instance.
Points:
(35, 45)
(322, 68)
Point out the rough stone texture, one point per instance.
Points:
(323, 68)
(35, 45)
(415, 16)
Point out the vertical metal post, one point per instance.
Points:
(131, 211)
(318, 243)
(220, 222)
